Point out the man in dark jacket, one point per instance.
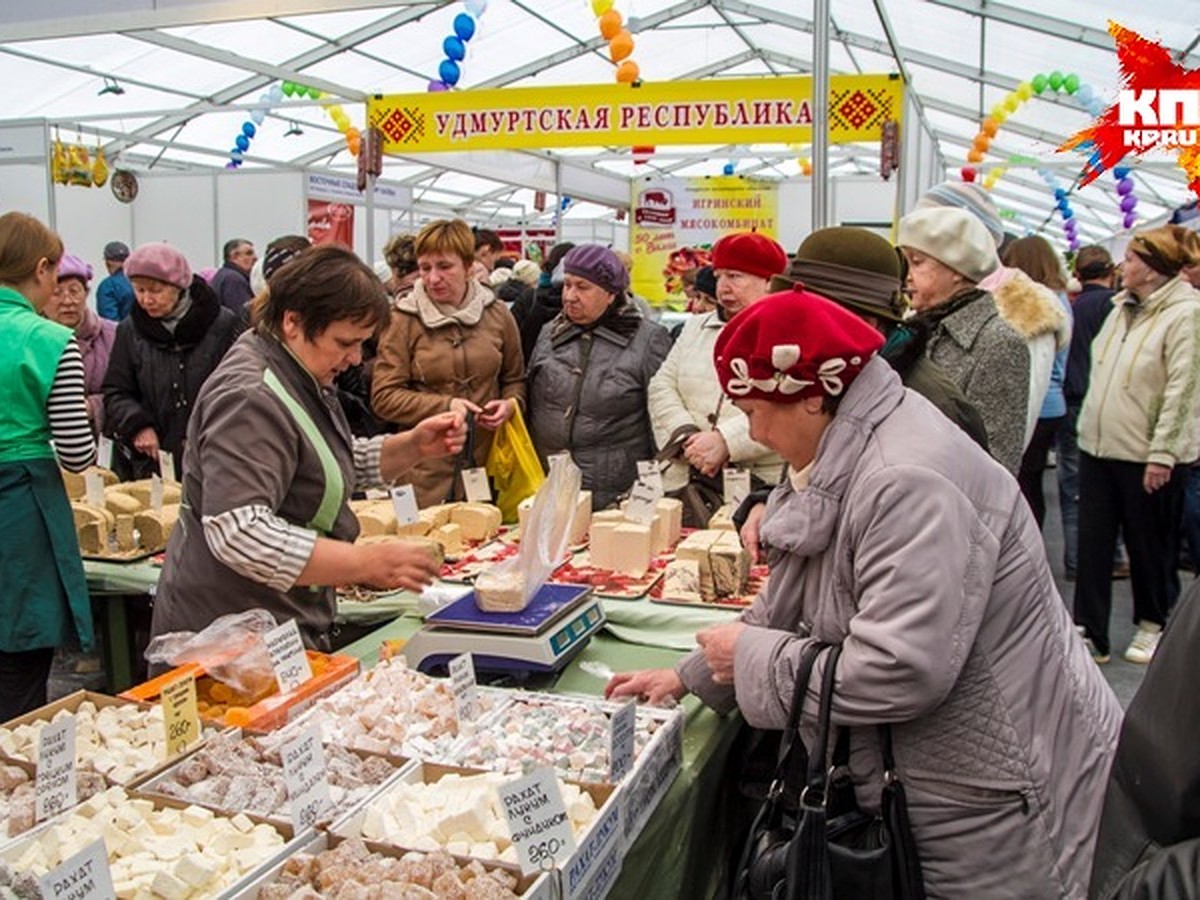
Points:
(231, 284)
(114, 296)
(1094, 269)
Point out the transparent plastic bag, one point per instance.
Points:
(510, 585)
(231, 650)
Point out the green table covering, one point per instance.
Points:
(683, 850)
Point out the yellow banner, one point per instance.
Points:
(716, 111)
(677, 220)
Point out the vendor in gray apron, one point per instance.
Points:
(270, 463)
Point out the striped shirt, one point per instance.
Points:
(66, 409)
(264, 547)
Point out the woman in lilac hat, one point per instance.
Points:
(172, 340)
(95, 336)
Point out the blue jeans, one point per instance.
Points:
(1191, 515)
(1068, 487)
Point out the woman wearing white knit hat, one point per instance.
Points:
(949, 252)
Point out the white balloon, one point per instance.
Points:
(257, 115)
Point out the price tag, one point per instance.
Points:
(307, 780)
(643, 503)
(93, 486)
(620, 741)
(180, 714)
(166, 465)
(650, 474)
(156, 493)
(286, 649)
(475, 485)
(737, 486)
(537, 821)
(84, 876)
(462, 683)
(404, 502)
(55, 785)
(104, 452)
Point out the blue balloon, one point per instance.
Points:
(464, 26)
(729, 168)
(248, 128)
(1059, 194)
(236, 155)
(449, 72)
(1067, 213)
(242, 142)
(454, 48)
(566, 201)
(1120, 172)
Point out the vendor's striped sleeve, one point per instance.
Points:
(66, 410)
(259, 545)
(366, 461)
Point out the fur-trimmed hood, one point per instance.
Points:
(1031, 308)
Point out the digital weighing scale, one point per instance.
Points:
(543, 637)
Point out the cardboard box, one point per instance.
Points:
(595, 849)
(274, 710)
(528, 887)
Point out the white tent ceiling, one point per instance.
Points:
(192, 70)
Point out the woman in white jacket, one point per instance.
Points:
(1137, 435)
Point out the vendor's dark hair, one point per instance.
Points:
(325, 284)
(1093, 262)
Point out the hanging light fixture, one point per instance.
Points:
(110, 87)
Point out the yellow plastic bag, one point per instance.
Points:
(513, 465)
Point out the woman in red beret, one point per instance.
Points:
(899, 538)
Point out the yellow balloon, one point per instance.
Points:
(1011, 102)
(999, 113)
(600, 7)
(1024, 90)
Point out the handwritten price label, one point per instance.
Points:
(537, 819)
(643, 503)
(622, 728)
(650, 473)
(307, 779)
(404, 502)
(286, 649)
(181, 716)
(166, 465)
(462, 683)
(104, 452)
(55, 784)
(156, 493)
(93, 489)
(84, 876)
(737, 486)
(475, 486)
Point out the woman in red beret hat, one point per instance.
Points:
(899, 538)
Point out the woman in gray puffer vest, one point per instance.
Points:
(588, 375)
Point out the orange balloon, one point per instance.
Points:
(990, 126)
(974, 156)
(806, 168)
(610, 24)
(982, 142)
(628, 72)
(621, 46)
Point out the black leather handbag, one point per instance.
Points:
(810, 840)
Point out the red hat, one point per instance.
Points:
(792, 345)
(749, 252)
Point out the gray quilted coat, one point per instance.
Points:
(916, 550)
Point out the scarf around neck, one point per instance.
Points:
(435, 315)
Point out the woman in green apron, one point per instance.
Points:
(270, 462)
(44, 602)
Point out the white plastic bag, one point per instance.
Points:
(510, 585)
(231, 650)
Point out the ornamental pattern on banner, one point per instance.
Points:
(717, 111)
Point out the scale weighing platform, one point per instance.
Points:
(543, 637)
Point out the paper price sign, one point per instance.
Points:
(475, 485)
(166, 464)
(462, 683)
(104, 451)
(404, 502)
(180, 714)
(286, 649)
(650, 474)
(307, 780)
(156, 493)
(93, 487)
(537, 820)
(622, 728)
(737, 486)
(55, 784)
(84, 876)
(643, 503)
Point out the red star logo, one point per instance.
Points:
(1145, 65)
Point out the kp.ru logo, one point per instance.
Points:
(1157, 108)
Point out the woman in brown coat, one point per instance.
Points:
(450, 346)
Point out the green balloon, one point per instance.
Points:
(288, 88)
(314, 93)
(1039, 83)
(1056, 80)
(1071, 84)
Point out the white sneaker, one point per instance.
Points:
(1145, 642)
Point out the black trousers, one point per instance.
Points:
(1111, 497)
(23, 678)
(1033, 465)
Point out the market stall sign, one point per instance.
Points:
(715, 111)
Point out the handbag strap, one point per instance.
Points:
(793, 757)
(814, 789)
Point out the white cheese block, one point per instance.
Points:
(376, 521)
(681, 581)
(479, 521)
(583, 518)
(660, 534)
(672, 510)
(500, 591)
(722, 519)
(631, 549)
(730, 565)
(696, 547)
(438, 515)
(602, 542)
(450, 536)
(155, 527)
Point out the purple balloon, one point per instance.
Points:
(1069, 227)
(1130, 219)
(1125, 186)
(1128, 203)
(1073, 245)
(436, 86)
